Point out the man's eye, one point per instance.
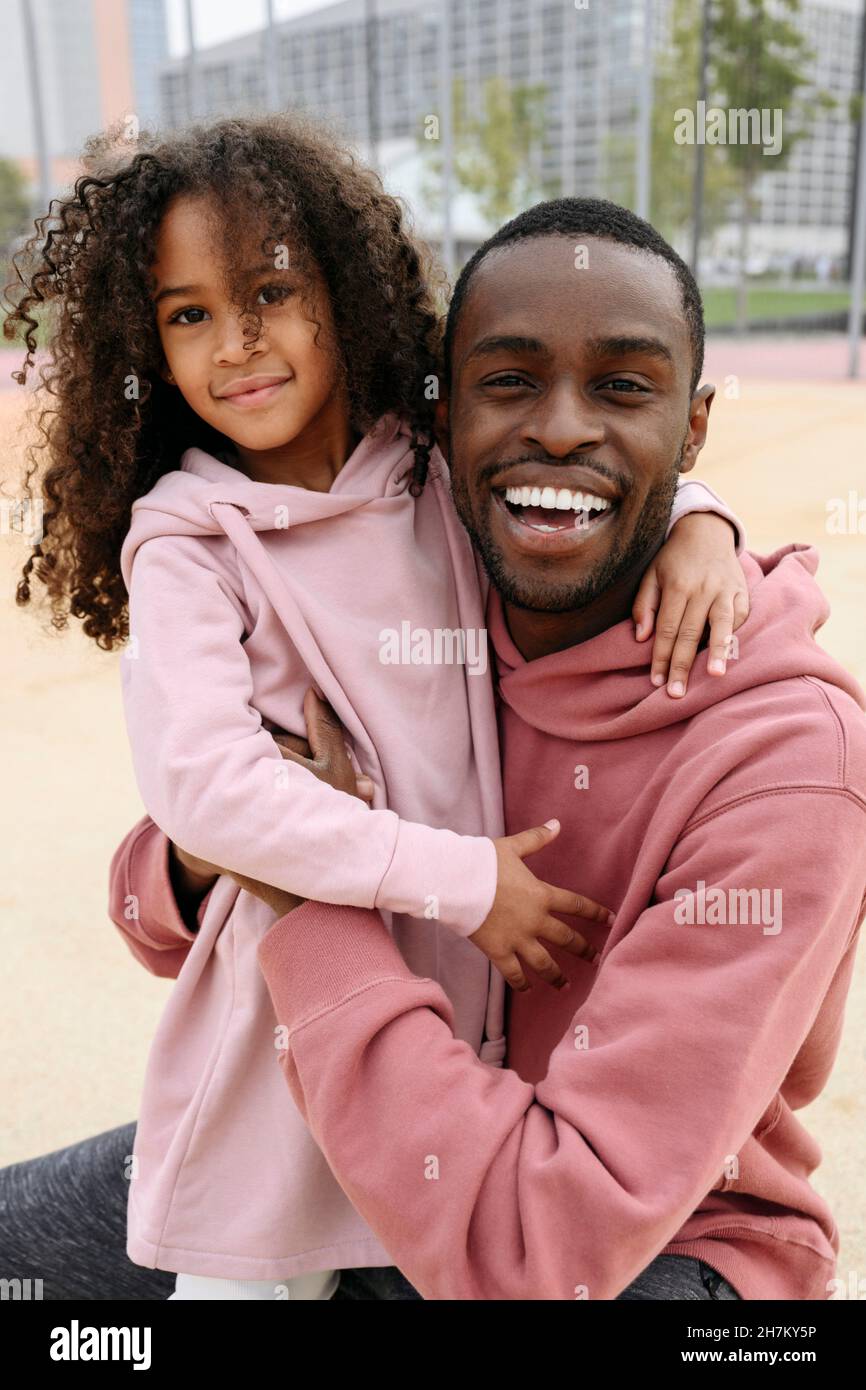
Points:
(623, 381)
(181, 316)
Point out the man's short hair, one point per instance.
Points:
(576, 217)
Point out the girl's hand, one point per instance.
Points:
(694, 579)
(521, 914)
(193, 876)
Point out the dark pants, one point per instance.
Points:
(63, 1220)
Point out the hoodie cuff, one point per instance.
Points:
(696, 496)
(440, 876)
(149, 879)
(316, 956)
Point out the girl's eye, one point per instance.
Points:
(181, 317)
(276, 293)
(505, 379)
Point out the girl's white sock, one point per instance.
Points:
(318, 1285)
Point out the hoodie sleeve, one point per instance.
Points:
(492, 1188)
(142, 903)
(213, 779)
(692, 495)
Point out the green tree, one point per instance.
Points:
(759, 61)
(496, 155)
(675, 88)
(14, 205)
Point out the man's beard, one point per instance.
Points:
(544, 594)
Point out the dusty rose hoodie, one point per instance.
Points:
(650, 1107)
(240, 593)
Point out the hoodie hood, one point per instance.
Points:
(600, 689)
(207, 496)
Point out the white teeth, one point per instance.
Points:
(588, 502)
(556, 499)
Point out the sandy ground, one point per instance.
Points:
(79, 1011)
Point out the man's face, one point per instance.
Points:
(569, 387)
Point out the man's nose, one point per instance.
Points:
(564, 419)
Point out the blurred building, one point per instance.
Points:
(99, 60)
(806, 206)
(373, 69)
(376, 78)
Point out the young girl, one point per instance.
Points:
(243, 344)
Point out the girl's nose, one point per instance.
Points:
(237, 338)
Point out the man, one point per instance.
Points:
(640, 1141)
(649, 1106)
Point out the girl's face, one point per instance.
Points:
(261, 396)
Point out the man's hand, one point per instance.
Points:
(191, 879)
(695, 579)
(325, 754)
(325, 751)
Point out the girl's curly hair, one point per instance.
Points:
(281, 178)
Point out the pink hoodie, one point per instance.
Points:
(649, 1107)
(241, 594)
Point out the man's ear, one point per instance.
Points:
(699, 414)
(440, 428)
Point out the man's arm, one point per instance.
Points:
(482, 1186)
(157, 892)
(153, 901)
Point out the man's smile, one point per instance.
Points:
(553, 511)
(548, 528)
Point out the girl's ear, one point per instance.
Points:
(166, 374)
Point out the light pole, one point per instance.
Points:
(858, 256)
(446, 134)
(371, 40)
(700, 148)
(191, 62)
(31, 49)
(645, 114)
(272, 93)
